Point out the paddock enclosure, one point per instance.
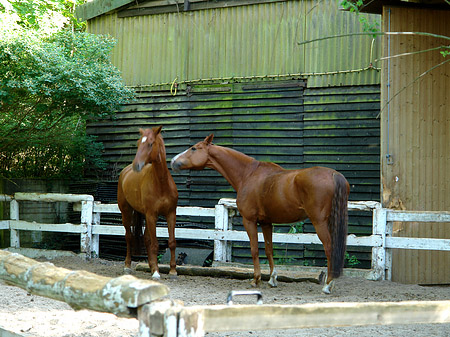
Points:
(200, 320)
(31, 315)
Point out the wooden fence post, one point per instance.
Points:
(14, 215)
(222, 248)
(388, 233)
(87, 207)
(96, 237)
(379, 253)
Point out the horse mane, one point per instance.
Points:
(256, 163)
(162, 148)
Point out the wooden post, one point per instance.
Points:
(96, 237)
(80, 289)
(87, 207)
(379, 253)
(388, 233)
(14, 215)
(221, 250)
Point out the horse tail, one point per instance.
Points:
(337, 224)
(136, 230)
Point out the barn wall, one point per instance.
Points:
(280, 121)
(416, 134)
(242, 41)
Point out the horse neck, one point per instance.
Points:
(160, 168)
(233, 165)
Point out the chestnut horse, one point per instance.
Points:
(146, 186)
(267, 194)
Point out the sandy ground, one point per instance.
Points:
(31, 315)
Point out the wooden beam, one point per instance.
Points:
(416, 216)
(33, 226)
(80, 289)
(239, 273)
(52, 197)
(196, 320)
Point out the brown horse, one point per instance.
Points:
(146, 186)
(267, 194)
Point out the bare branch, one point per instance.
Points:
(411, 83)
(410, 53)
(375, 33)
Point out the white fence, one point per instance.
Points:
(381, 240)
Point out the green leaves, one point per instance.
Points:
(354, 6)
(49, 85)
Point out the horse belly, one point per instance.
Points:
(281, 204)
(284, 214)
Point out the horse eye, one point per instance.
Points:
(193, 149)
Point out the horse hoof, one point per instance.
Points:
(328, 288)
(255, 284)
(156, 276)
(173, 277)
(273, 283)
(127, 271)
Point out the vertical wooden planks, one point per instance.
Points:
(416, 124)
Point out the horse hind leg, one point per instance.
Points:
(325, 237)
(267, 230)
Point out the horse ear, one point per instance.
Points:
(141, 131)
(157, 130)
(208, 140)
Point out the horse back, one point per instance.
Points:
(284, 196)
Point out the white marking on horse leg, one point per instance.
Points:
(156, 276)
(328, 288)
(273, 279)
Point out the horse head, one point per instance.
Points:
(194, 158)
(148, 147)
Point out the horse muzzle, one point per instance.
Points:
(176, 165)
(137, 167)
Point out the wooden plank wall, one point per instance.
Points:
(276, 121)
(416, 134)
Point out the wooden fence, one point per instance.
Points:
(169, 318)
(381, 241)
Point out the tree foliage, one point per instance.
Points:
(51, 82)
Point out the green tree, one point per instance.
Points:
(52, 81)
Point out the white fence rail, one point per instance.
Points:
(381, 240)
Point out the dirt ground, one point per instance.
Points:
(31, 315)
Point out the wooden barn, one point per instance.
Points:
(415, 128)
(238, 69)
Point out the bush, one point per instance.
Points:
(49, 87)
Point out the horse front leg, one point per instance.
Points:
(151, 244)
(267, 230)
(171, 221)
(127, 215)
(252, 232)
